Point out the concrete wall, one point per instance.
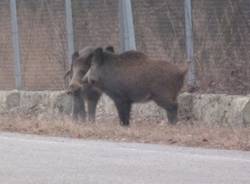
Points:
(207, 109)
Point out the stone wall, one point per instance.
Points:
(207, 109)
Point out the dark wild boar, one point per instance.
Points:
(79, 67)
(133, 77)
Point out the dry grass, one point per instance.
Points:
(183, 134)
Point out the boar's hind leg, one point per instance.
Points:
(92, 103)
(171, 109)
(78, 107)
(123, 108)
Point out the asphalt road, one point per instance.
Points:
(27, 159)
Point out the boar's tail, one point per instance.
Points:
(183, 69)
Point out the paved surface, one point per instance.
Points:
(26, 159)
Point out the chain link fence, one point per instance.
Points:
(220, 36)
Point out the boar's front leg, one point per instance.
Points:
(78, 106)
(123, 107)
(92, 101)
(172, 113)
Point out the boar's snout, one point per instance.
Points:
(89, 78)
(73, 87)
(91, 81)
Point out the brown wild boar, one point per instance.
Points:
(80, 65)
(133, 77)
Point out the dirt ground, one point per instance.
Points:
(184, 133)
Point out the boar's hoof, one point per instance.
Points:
(124, 124)
(172, 118)
(92, 82)
(68, 92)
(79, 120)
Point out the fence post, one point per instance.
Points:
(127, 34)
(191, 76)
(15, 44)
(69, 29)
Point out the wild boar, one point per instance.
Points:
(133, 77)
(79, 67)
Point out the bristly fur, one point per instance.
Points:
(133, 77)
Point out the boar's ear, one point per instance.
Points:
(75, 55)
(110, 49)
(98, 55)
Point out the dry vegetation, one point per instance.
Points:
(184, 134)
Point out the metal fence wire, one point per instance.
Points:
(46, 37)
